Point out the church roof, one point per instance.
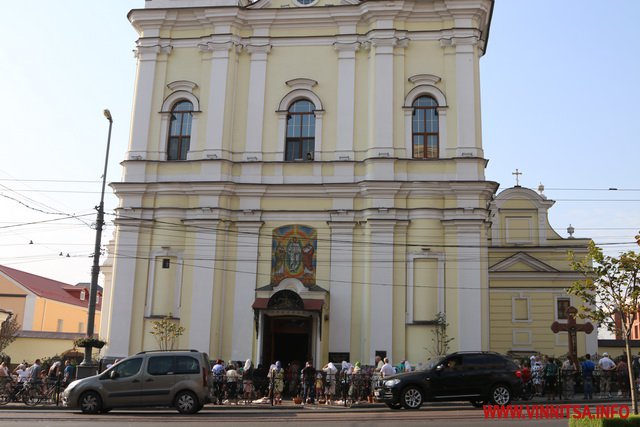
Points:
(49, 288)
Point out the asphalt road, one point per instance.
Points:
(455, 416)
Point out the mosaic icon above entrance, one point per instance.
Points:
(293, 254)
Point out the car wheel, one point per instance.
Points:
(478, 403)
(90, 402)
(411, 398)
(393, 405)
(186, 403)
(500, 395)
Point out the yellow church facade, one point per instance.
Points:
(529, 274)
(305, 180)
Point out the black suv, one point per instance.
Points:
(479, 377)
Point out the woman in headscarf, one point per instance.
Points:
(330, 383)
(276, 374)
(232, 383)
(247, 381)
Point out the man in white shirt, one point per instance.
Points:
(607, 366)
(387, 370)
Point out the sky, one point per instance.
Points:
(560, 93)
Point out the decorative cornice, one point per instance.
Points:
(301, 83)
(428, 79)
(219, 46)
(151, 52)
(258, 49)
(184, 85)
(525, 259)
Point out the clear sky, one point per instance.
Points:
(559, 102)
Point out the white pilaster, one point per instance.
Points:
(218, 54)
(143, 96)
(245, 286)
(203, 265)
(383, 108)
(381, 287)
(340, 307)
(121, 301)
(468, 144)
(346, 48)
(472, 279)
(255, 109)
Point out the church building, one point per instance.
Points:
(305, 180)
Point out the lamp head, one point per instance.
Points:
(107, 114)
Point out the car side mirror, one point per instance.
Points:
(114, 375)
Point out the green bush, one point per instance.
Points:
(632, 421)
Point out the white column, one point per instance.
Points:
(143, 97)
(341, 288)
(245, 287)
(255, 108)
(123, 289)
(218, 55)
(381, 287)
(203, 273)
(347, 48)
(468, 143)
(383, 108)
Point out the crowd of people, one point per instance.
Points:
(550, 377)
(37, 375)
(333, 383)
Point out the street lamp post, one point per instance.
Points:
(95, 269)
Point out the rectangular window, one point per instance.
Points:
(166, 263)
(520, 309)
(81, 327)
(160, 365)
(562, 304)
(60, 325)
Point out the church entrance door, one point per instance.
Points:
(287, 339)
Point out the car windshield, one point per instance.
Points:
(432, 363)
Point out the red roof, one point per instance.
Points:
(50, 289)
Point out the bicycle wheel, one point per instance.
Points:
(5, 397)
(31, 397)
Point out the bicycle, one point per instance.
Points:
(16, 392)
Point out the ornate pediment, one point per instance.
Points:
(522, 262)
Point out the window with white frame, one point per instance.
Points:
(425, 128)
(180, 130)
(562, 304)
(301, 130)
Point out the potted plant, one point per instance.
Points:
(89, 342)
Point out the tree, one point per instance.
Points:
(440, 338)
(9, 331)
(610, 291)
(166, 332)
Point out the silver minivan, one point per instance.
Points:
(180, 379)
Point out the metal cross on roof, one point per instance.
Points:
(517, 173)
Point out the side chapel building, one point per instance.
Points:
(305, 180)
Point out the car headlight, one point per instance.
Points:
(391, 383)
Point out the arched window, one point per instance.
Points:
(425, 131)
(180, 131)
(301, 131)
